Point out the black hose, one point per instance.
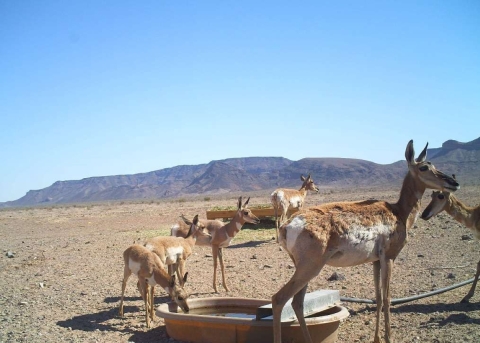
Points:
(415, 297)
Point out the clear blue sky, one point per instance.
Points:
(94, 88)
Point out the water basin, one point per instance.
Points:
(228, 320)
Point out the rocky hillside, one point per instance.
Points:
(251, 174)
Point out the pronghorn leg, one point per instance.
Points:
(126, 275)
(215, 256)
(146, 292)
(474, 285)
(297, 304)
(275, 212)
(171, 269)
(386, 266)
(284, 216)
(224, 282)
(378, 299)
(305, 271)
(152, 302)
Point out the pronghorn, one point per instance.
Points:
(346, 234)
(174, 251)
(150, 272)
(284, 198)
(222, 237)
(468, 216)
(181, 228)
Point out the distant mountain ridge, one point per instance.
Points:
(251, 174)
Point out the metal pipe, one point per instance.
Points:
(412, 298)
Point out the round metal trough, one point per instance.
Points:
(228, 320)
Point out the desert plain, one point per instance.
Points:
(61, 269)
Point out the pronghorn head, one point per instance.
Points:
(245, 213)
(196, 228)
(178, 293)
(425, 172)
(199, 224)
(308, 183)
(437, 204)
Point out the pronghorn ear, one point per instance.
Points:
(410, 153)
(185, 277)
(423, 154)
(246, 202)
(195, 220)
(172, 282)
(185, 220)
(302, 177)
(239, 205)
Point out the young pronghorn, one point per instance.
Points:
(468, 216)
(284, 198)
(346, 234)
(174, 251)
(150, 272)
(222, 237)
(182, 227)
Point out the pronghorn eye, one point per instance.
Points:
(423, 168)
(245, 213)
(441, 196)
(180, 298)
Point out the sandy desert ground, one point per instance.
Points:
(63, 283)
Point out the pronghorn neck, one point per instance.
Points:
(303, 192)
(235, 224)
(468, 216)
(410, 200)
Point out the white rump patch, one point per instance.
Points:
(174, 229)
(134, 266)
(172, 253)
(293, 229)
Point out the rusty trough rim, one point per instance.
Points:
(164, 311)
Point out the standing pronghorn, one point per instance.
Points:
(174, 251)
(150, 272)
(223, 236)
(468, 216)
(346, 234)
(284, 198)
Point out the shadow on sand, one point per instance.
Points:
(248, 244)
(459, 318)
(101, 321)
